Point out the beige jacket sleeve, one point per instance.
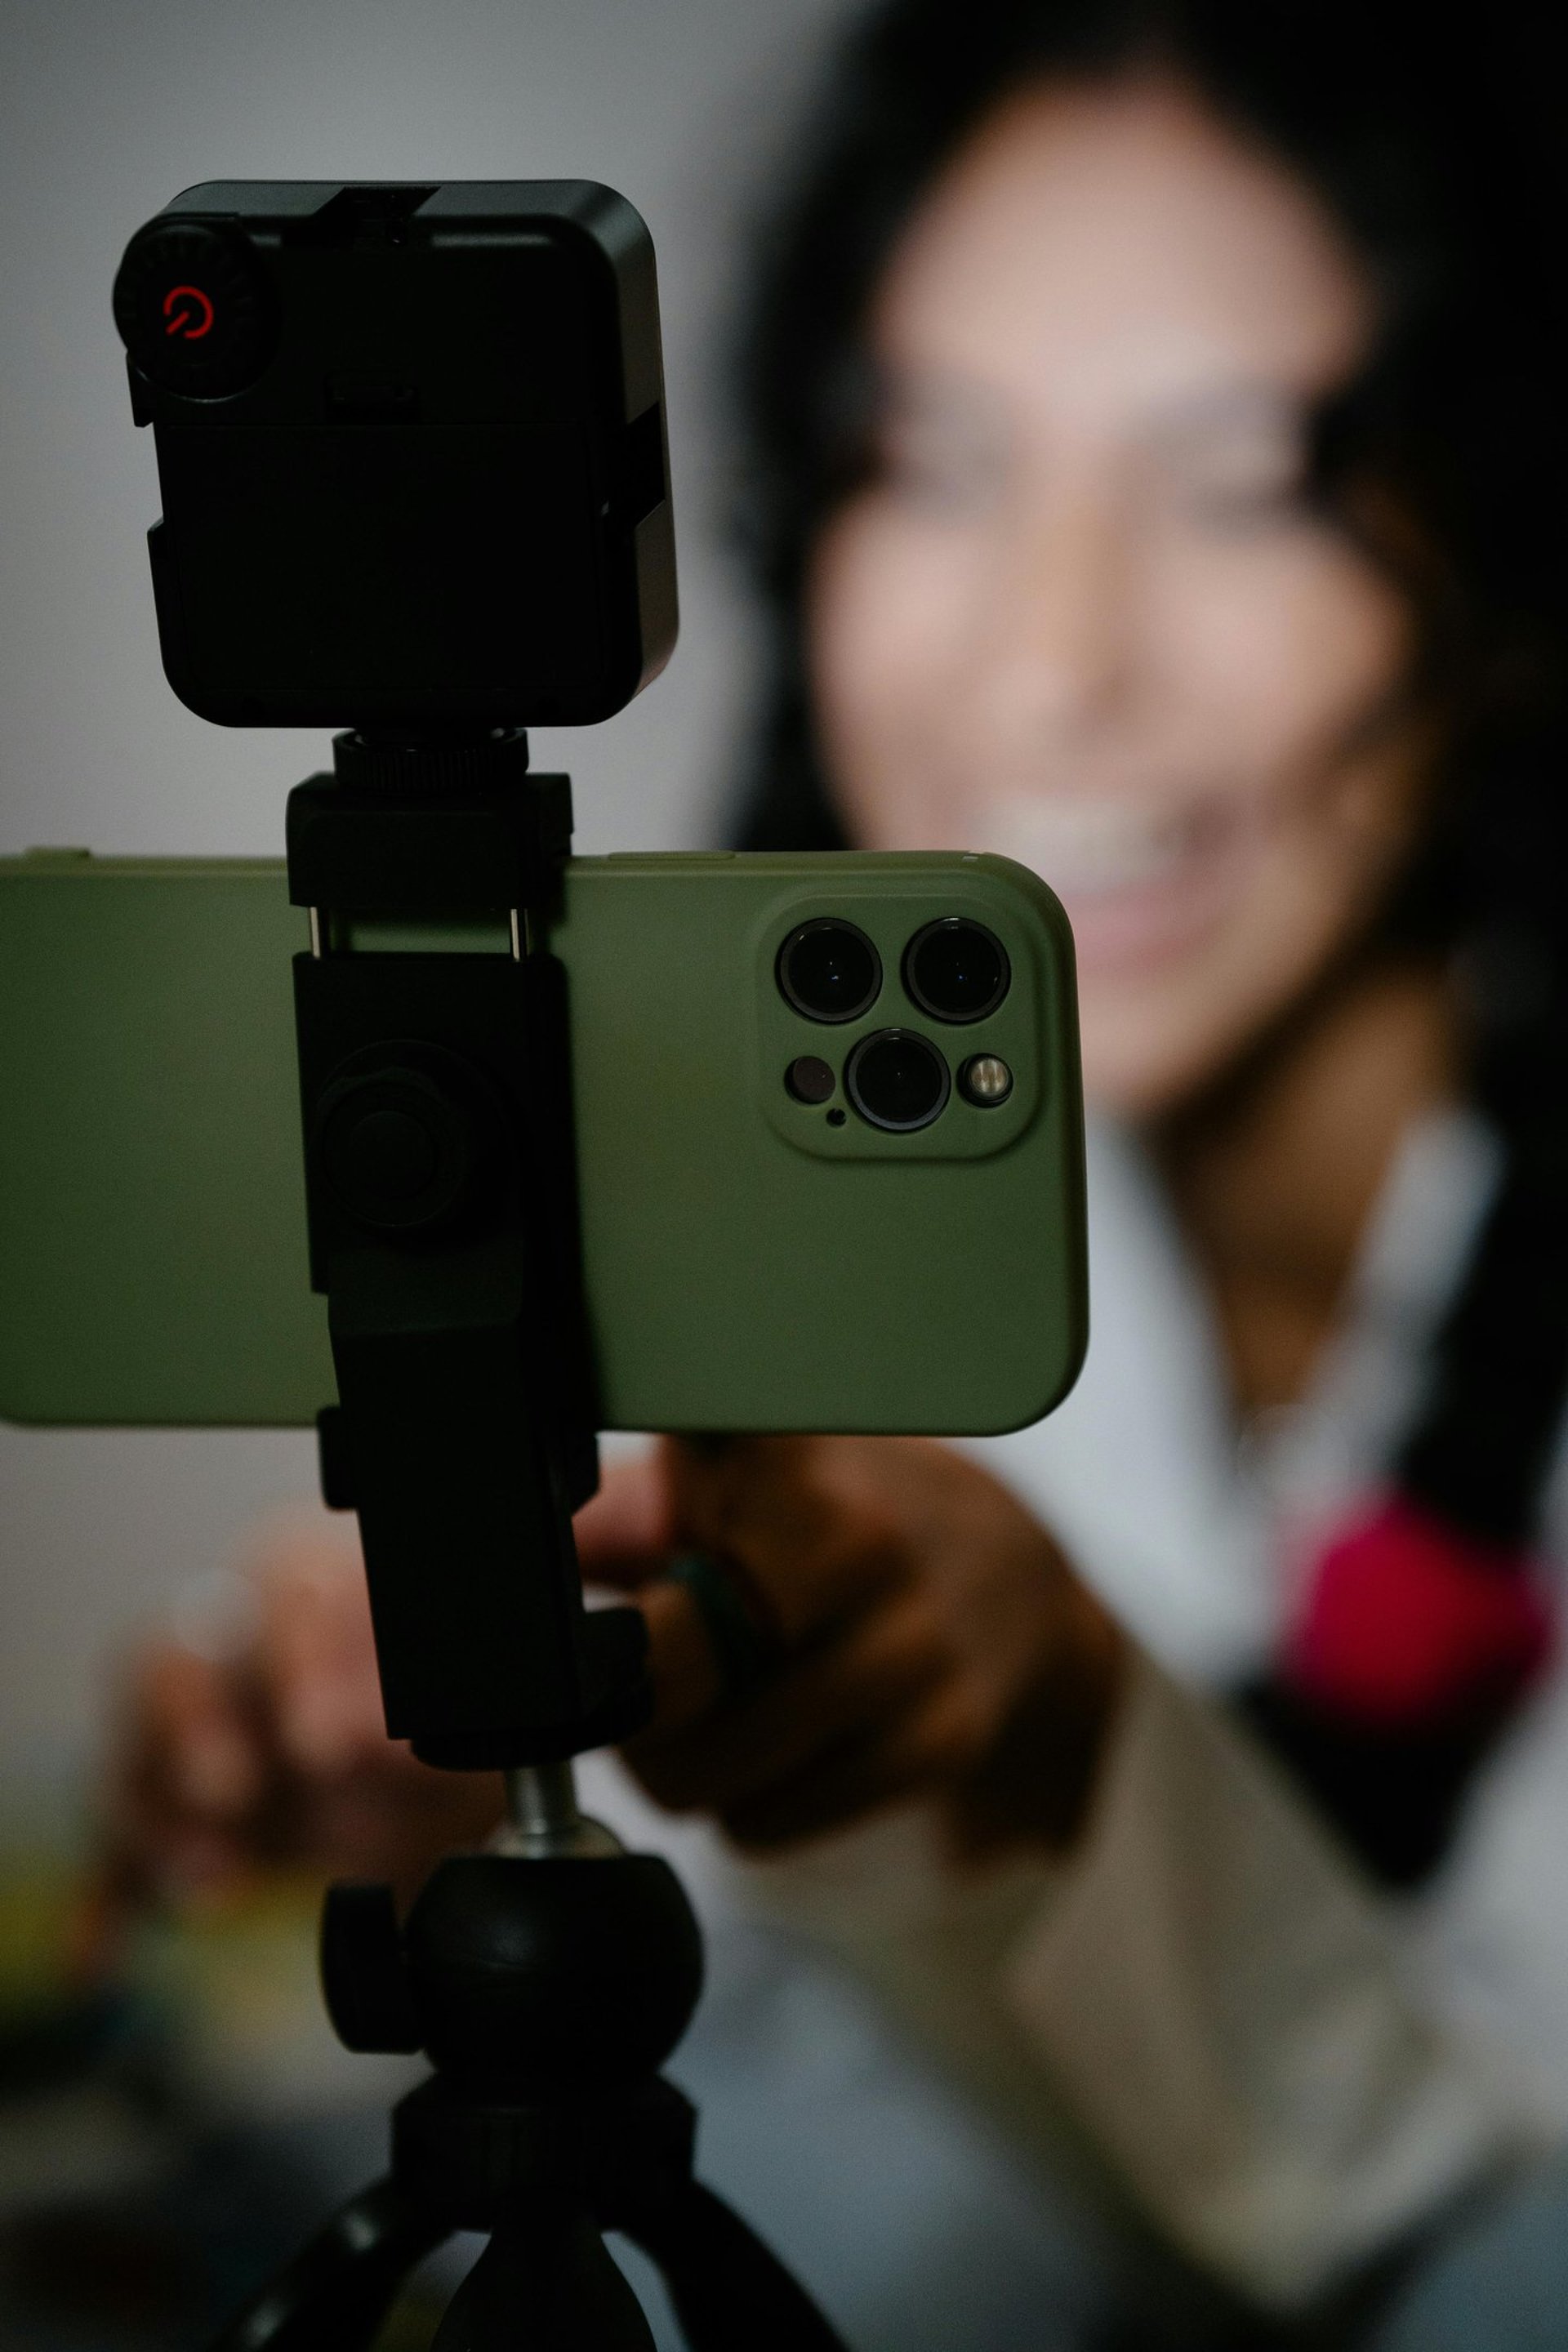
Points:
(1206, 1991)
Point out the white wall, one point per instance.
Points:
(109, 108)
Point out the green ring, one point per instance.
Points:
(741, 1650)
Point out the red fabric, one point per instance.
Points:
(1407, 1622)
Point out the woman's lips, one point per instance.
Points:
(1142, 883)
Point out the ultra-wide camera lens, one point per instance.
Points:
(896, 1080)
(956, 970)
(829, 971)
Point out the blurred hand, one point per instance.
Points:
(929, 1641)
(266, 1745)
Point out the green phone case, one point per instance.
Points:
(751, 1261)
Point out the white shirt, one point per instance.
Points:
(1284, 2068)
(1198, 1545)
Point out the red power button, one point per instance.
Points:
(189, 314)
(195, 308)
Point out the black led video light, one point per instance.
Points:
(411, 447)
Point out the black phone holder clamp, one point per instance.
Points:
(548, 1978)
(441, 1198)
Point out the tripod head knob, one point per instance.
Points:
(365, 1983)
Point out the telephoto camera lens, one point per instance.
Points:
(896, 1080)
(829, 971)
(956, 970)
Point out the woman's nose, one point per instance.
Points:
(1055, 651)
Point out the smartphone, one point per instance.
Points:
(827, 1127)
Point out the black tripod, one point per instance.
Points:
(547, 1979)
(550, 1977)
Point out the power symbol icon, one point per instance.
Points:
(188, 313)
(194, 309)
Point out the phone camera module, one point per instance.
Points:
(956, 970)
(829, 971)
(896, 1080)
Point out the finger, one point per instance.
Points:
(814, 1529)
(188, 1860)
(312, 1664)
(853, 1782)
(869, 1678)
(624, 1532)
(188, 1745)
(391, 1821)
(180, 1780)
(681, 1666)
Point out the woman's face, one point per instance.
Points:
(1081, 613)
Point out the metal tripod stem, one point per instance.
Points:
(543, 1824)
(542, 1803)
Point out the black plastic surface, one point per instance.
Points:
(412, 451)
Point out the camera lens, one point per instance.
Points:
(810, 1080)
(956, 970)
(896, 1080)
(829, 971)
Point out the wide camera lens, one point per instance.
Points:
(896, 1080)
(829, 971)
(956, 969)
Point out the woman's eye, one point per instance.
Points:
(950, 482)
(1247, 483)
(1245, 503)
(937, 464)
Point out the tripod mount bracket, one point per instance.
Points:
(441, 1199)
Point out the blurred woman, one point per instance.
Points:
(1170, 498)
(1153, 474)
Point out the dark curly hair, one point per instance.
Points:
(1437, 141)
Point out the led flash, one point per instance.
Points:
(987, 1080)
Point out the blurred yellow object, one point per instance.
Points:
(66, 2129)
(41, 1901)
(232, 1979)
(45, 1909)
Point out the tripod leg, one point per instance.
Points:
(336, 2292)
(727, 2287)
(545, 2281)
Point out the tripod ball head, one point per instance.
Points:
(548, 1976)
